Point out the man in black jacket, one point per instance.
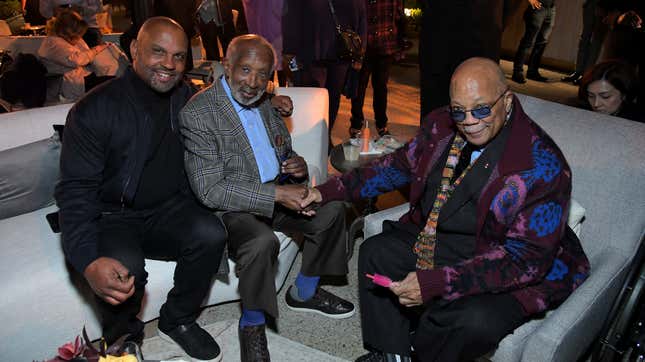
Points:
(124, 196)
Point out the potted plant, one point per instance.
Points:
(11, 12)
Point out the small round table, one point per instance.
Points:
(338, 161)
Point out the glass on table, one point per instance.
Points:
(352, 149)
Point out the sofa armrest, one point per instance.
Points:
(575, 323)
(374, 222)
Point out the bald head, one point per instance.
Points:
(482, 70)
(479, 84)
(160, 24)
(159, 53)
(250, 43)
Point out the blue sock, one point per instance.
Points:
(251, 317)
(306, 286)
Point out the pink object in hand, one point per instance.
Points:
(379, 279)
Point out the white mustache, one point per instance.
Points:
(474, 128)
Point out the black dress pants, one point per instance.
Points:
(179, 230)
(378, 66)
(254, 247)
(211, 32)
(444, 331)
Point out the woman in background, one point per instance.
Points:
(611, 88)
(86, 8)
(65, 52)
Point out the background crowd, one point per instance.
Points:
(305, 41)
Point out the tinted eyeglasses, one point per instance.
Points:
(480, 112)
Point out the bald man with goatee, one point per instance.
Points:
(124, 196)
(484, 246)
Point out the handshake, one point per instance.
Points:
(300, 198)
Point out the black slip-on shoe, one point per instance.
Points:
(253, 344)
(195, 341)
(323, 303)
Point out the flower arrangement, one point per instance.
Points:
(82, 350)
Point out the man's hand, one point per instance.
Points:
(110, 280)
(307, 204)
(295, 166)
(291, 196)
(283, 105)
(357, 65)
(535, 4)
(408, 290)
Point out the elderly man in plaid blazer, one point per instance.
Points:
(239, 160)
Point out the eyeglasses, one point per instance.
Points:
(480, 112)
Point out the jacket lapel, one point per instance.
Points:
(478, 176)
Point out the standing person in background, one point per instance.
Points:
(591, 39)
(310, 45)
(539, 19)
(384, 43)
(215, 21)
(451, 32)
(86, 8)
(140, 11)
(264, 17)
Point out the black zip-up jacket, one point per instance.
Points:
(106, 141)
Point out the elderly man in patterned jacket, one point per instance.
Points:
(240, 161)
(484, 246)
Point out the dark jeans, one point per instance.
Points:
(378, 66)
(591, 38)
(538, 24)
(329, 75)
(254, 247)
(463, 329)
(180, 230)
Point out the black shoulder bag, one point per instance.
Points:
(348, 43)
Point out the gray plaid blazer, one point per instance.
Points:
(219, 159)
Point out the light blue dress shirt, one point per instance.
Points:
(265, 157)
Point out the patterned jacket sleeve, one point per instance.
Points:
(530, 218)
(385, 174)
(217, 181)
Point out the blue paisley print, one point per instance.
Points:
(558, 270)
(546, 218)
(547, 165)
(386, 179)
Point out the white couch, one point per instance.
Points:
(42, 304)
(606, 157)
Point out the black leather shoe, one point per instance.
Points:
(253, 344)
(323, 303)
(518, 78)
(573, 77)
(536, 76)
(195, 341)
